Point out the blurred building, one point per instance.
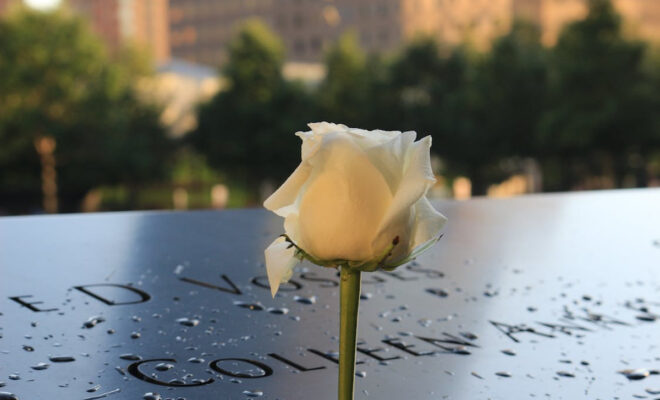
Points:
(200, 29)
(143, 22)
(180, 86)
(4, 5)
(642, 17)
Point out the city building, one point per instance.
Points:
(641, 17)
(200, 29)
(6, 4)
(143, 22)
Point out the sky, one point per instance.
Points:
(42, 4)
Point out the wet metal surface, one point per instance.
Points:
(553, 296)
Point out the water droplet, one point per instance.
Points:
(135, 318)
(188, 321)
(28, 348)
(135, 335)
(249, 306)
(635, 374)
(179, 269)
(151, 396)
(365, 296)
(7, 396)
(566, 374)
(103, 395)
(509, 352)
(196, 360)
(40, 366)
(130, 357)
(163, 366)
(305, 300)
(459, 350)
(92, 322)
(437, 292)
(61, 359)
(361, 374)
(14, 377)
(253, 393)
(94, 388)
(469, 335)
(425, 322)
(503, 374)
(653, 391)
(278, 311)
(476, 375)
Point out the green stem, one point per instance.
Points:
(348, 322)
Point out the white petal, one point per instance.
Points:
(428, 223)
(312, 139)
(416, 179)
(280, 260)
(363, 138)
(367, 139)
(344, 203)
(285, 196)
(389, 157)
(321, 128)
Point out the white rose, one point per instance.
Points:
(354, 192)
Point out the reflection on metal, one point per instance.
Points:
(539, 296)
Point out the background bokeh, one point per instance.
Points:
(160, 104)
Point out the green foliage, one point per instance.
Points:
(58, 81)
(256, 57)
(603, 104)
(247, 129)
(587, 107)
(493, 111)
(512, 87)
(344, 93)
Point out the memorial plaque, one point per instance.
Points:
(549, 296)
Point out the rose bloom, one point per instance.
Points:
(358, 198)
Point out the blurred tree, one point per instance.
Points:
(58, 85)
(602, 103)
(512, 84)
(247, 129)
(344, 95)
(418, 84)
(496, 112)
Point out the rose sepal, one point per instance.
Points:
(379, 262)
